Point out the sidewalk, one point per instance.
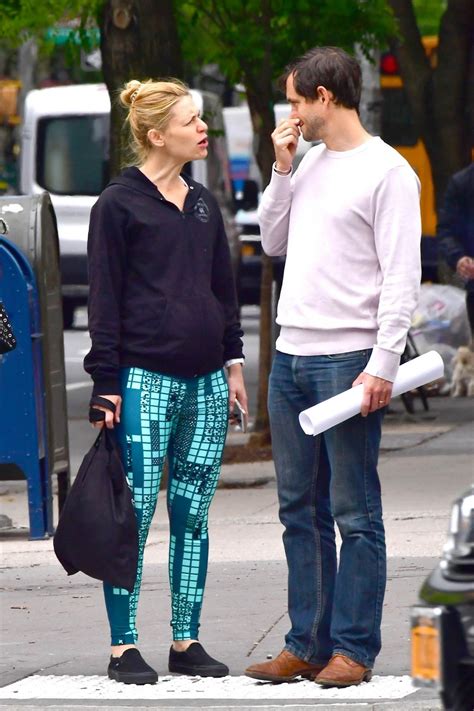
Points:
(55, 631)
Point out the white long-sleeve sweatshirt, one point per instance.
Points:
(349, 224)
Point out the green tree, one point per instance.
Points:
(441, 97)
(138, 39)
(252, 41)
(428, 14)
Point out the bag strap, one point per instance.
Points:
(96, 415)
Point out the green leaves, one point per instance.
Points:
(27, 18)
(428, 14)
(243, 36)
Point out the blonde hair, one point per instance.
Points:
(149, 104)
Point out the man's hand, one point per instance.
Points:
(465, 267)
(377, 392)
(110, 418)
(285, 140)
(235, 380)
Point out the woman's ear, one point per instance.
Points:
(156, 138)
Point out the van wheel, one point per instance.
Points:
(69, 307)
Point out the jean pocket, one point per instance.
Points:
(351, 355)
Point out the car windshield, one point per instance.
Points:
(73, 154)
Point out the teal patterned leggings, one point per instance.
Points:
(186, 419)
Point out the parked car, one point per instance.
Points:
(65, 151)
(442, 628)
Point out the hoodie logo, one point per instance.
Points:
(201, 211)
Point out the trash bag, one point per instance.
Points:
(97, 530)
(441, 317)
(440, 323)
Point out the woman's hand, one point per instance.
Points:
(110, 418)
(235, 380)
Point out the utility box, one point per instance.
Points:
(31, 291)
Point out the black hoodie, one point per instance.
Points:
(162, 294)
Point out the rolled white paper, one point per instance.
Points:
(419, 371)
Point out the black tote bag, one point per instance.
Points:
(97, 530)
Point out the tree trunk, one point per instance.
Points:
(263, 123)
(451, 80)
(260, 101)
(439, 97)
(139, 40)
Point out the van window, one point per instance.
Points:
(73, 154)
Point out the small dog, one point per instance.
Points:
(462, 382)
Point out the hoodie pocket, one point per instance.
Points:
(194, 327)
(142, 326)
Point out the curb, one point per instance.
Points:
(221, 704)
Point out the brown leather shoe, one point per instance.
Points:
(285, 667)
(342, 671)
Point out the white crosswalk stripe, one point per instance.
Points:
(181, 687)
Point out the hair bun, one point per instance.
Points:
(129, 93)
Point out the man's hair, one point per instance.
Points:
(330, 67)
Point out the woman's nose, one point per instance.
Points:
(202, 125)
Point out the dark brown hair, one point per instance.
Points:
(330, 67)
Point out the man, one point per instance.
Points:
(455, 231)
(348, 221)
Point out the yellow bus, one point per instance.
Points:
(399, 131)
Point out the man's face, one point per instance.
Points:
(309, 112)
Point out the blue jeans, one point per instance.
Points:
(321, 480)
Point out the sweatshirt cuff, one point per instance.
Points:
(383, 364)
(279, 185)
(107, 387)
(233, 361)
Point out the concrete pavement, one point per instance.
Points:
(54, 627)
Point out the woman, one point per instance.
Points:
(163, 318)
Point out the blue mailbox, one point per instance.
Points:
(22, 397)
(33, 408)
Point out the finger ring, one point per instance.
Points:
(381, 402)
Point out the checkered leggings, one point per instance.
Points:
(185, 419)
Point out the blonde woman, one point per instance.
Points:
(163, 318)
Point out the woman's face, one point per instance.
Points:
(185, 136)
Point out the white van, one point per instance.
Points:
(65, 150)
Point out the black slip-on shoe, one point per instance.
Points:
(195, 661)
(131, 668)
